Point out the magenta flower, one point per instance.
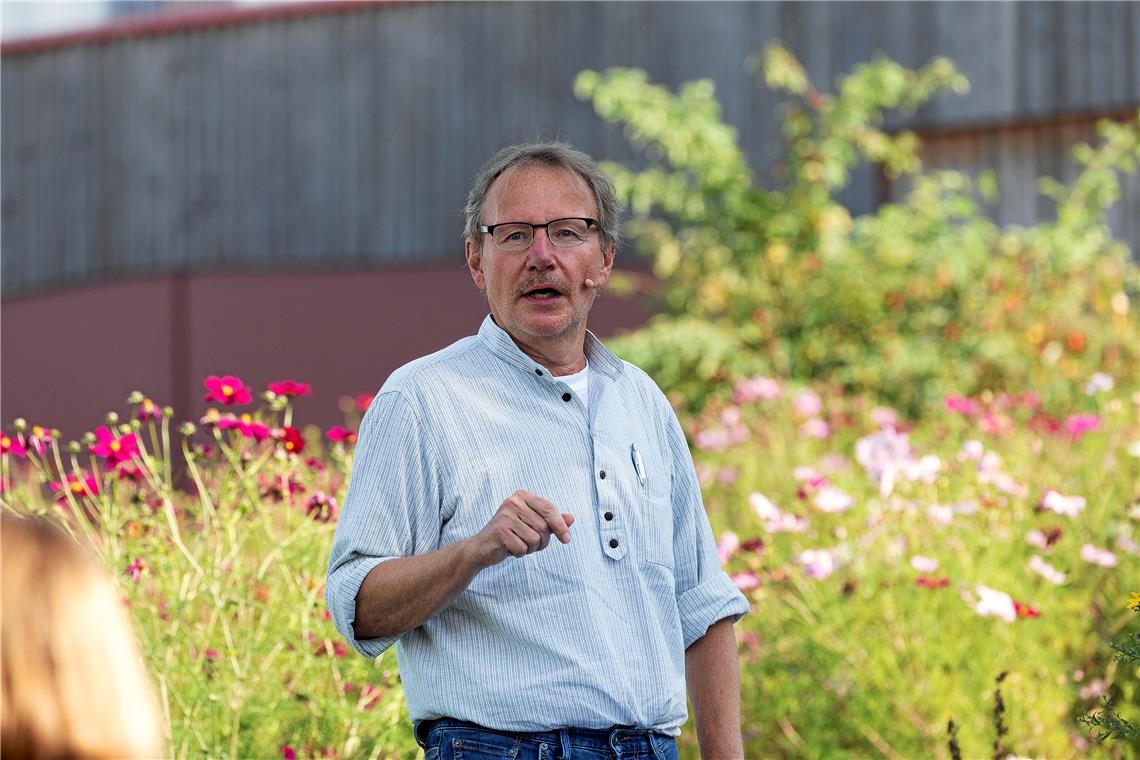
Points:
(291, 440)
(148, 410)
(245, 425)
(39, 440)
(341, 434)
(228, 390)
(1079, 424)
(288, 753)
(290, 388)
(79, 486)
(321, 507)
(114, 448)
(10, 445)
(962, 405)
(136, 569)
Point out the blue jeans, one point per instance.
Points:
(448, 739)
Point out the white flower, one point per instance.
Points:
(763, 507)
(1037, 539)
(1061, 504)
(941, 513)
(818, 563)
(832, 499)
(1045, 570)
(1098, 382)
(803, 472)
(1104, 557)
(972, 451)
(923, 564)
(728, 544)
(996, 603)
(925, 470)
(786, 523)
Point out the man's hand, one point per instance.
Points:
(522, 525)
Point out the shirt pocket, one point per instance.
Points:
(657, 518)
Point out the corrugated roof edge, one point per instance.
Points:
(178, 22)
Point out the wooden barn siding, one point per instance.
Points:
(349, 138)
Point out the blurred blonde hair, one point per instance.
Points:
(73, 683)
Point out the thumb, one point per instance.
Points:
(568, 518)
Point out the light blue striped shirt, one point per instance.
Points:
(588, 634)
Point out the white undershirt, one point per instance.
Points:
(579, 382)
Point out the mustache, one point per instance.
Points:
(555, 283)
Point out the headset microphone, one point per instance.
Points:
(590, 283)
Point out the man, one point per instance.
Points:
(469, 460)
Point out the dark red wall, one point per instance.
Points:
(68, 358)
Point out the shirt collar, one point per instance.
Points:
(500, 344)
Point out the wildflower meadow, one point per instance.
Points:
(926, 485)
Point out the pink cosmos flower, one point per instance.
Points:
(1094, 689)
(885, 455)
(923, 564)
(929, 581)
(727, 546)
(245, 425)
(12, 445)
(816, 428)
(1079, 424)
(114, 448)
(1045, 570)
(280, 487)
(290, 388)
(818, 563)
(943, 514)
(77, 485)
(136, 569)
(962, 405)
(807, 403)
(884, 417)
(288, 753)
(339, 434)
(228, 390)
(746, 581)
(758, 388)
(1096, 556)
(995, 603)
(369, 697)
(40, 439)
(1056, 502)
(832, 500)
(1025, 610)
(775, 520)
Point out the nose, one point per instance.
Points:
(540, 255)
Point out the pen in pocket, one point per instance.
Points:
(638, 465)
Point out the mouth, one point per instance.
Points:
(542, 294)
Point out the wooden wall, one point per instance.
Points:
(345, 137)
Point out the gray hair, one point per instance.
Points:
(556, 154)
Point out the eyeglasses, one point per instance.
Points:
(570, 232)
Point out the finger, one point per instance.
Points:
(530, 537)
(554, 520)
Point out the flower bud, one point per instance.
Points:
(187, 428)
(74, 447)
(132, 427)
(112, 418)
(20, 424)
(136, 397)
(89, 438)
(269, 396)
(167, 412)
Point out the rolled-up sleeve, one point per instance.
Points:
(392, 508)
(705, 593)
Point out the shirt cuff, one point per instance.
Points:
(342, 605)
(703, 605)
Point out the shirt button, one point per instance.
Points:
(608, 515)
(602, 474)
(538, 372)
(565, 396)
(613, 543)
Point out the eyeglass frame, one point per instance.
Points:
(490, 229)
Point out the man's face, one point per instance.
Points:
(538, 295)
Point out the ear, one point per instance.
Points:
(475, 264)
(607, 265)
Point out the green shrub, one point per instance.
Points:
(914, 301)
